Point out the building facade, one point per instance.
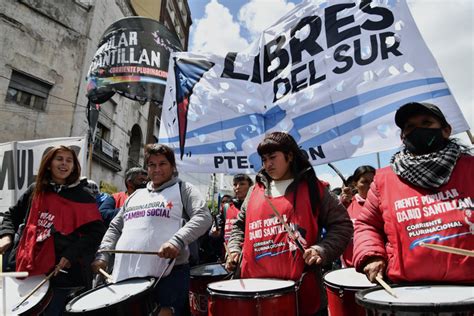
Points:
(46, 50)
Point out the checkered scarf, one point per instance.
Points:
(429, 171)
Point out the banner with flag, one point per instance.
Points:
(332, 74)
(132, 60)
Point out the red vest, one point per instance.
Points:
(269, 252)
(120, 198)
(230, 217)
(412, 214)
(50, 213)
(353, 210)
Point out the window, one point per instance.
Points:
(27, 91)
(102, 132)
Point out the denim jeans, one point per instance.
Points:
(173, 290)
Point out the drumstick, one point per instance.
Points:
(386, 286)
(14, 274)
(227, 253)
(285, 225)
(456, 251)
(107, 276)
(34, 290)
(136, 252)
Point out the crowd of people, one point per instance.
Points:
(377, 224)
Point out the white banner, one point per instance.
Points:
(332, 75)
(20, 162)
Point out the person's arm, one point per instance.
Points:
(11, 219)
(111, 237)
(237, 234)
(200, 219)
(334, 218)
(108, 210)
(369, 236)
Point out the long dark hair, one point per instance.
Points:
(360, 171)
(301, 168)
(44, 176)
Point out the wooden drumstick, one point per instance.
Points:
(14, 274)
(453, 250)
(107, 276)
(135, 252)
(34, 290)
(285, 225)
(386, 286)
(227, 253)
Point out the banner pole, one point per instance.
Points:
(89, 160)
(468, 132)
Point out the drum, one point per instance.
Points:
(341, 286)
(17, 289)
(252, 297)
(127, 297)
(441, 300)
(201, 276)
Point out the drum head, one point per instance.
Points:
(207, 270)
(435, 298)
(109, 294)
(16, 290)
(347, 278)
(251, 287)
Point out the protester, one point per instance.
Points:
(151, 220)
(421, 197)
(241, 184)
(58, 225)
(361, 180)
(288, 180)
(135, 178)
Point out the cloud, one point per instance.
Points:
(257, 15)
(217, 32)
(447, 27)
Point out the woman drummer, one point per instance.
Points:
(62, 227)
(288, 183)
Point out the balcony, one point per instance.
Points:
(106, 154)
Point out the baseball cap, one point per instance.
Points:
(413, 108)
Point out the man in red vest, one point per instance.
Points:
(135, 178)
(422, 197)
(241, 184)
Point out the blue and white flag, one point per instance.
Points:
(331, 73)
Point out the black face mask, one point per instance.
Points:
(422, 141)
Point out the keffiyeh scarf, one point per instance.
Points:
(428, 171)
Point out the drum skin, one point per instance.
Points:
(200, 277)
(276, 302)
(419, 300)
(142, 303)
(341, 287)
(17, 289)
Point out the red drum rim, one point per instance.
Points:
(215, 292)
(460, 306)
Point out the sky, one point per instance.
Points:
(447, 27)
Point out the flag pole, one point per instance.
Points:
(89, 159)
(471, 138)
